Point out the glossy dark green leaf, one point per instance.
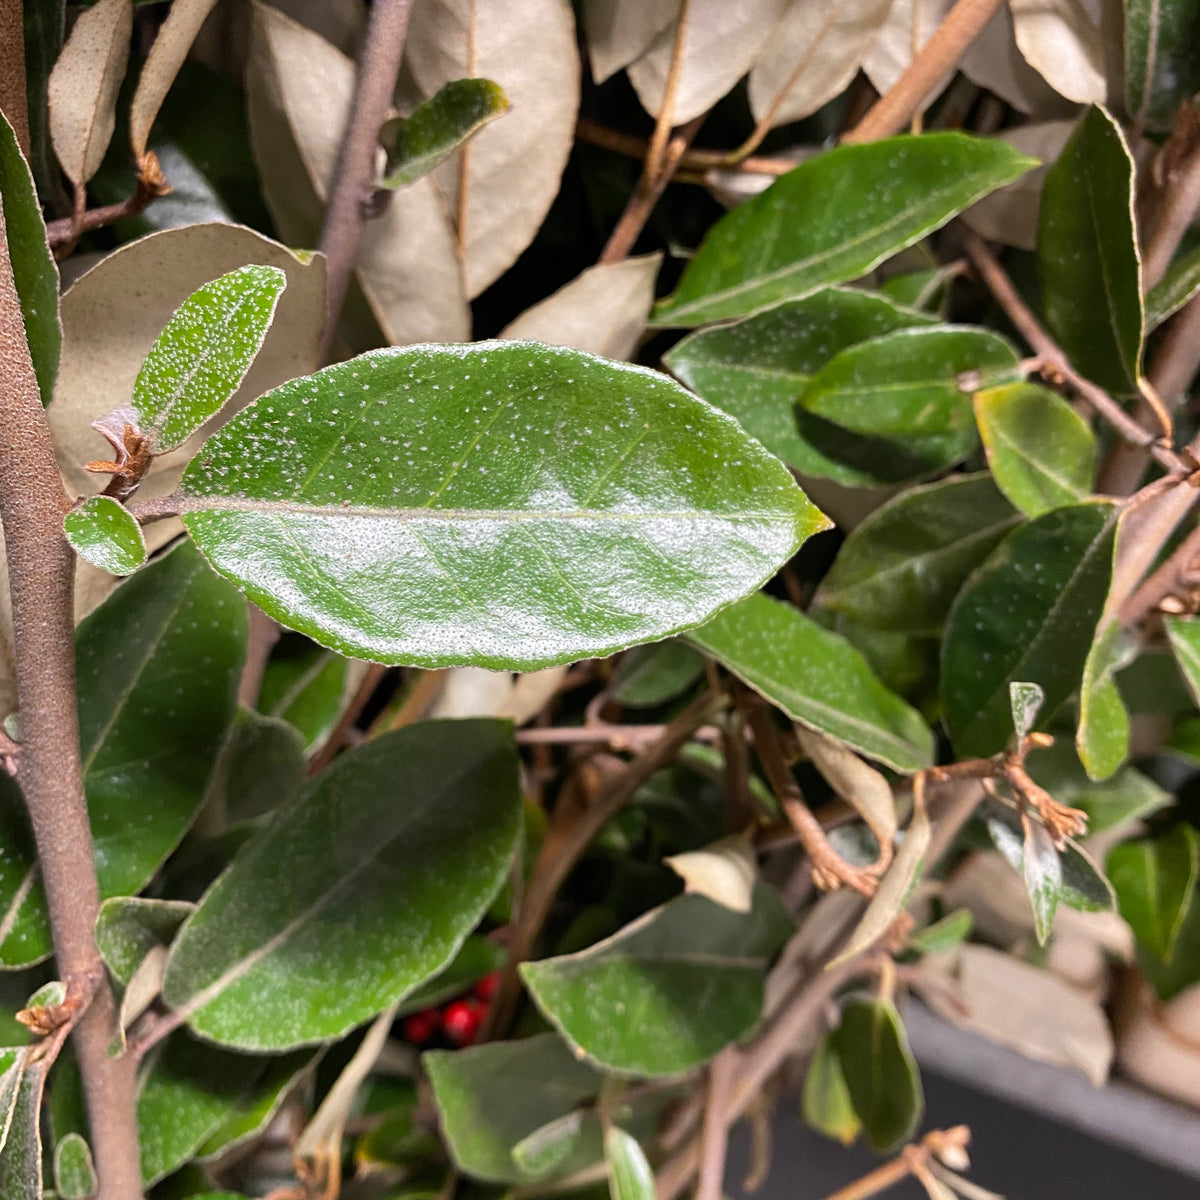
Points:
(422, 820)
(1175, 289)
(201, 357)
(491, 1098)
(881, 1074)
(437, 128)
(826, 1100)
(1162, 66)
(1102, 735)
(648, 676)
(668, 991)
(260, 769)
(1088, 256)
(304, 684)
(33, 267)
(817, 678)
(902, 567)
(1184, 636)
(1028, 614)
(129, 927)
(755, 368)
(834, 218)
(1041, 451)
(506, 505)
(944, 935)
(21, 1153)
(157, 666)
(104, 533)
(629, 1174)
(1155, 881)
(74, 1171)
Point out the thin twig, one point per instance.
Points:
(354, 172)
(1164, 582)
(894, 109)
(617, 737)
(666, 114)
(1180, 195)
(41, 567)
(353, 710)
(912, 1160)
(696, 160)
(151, 185)
(714, 1136)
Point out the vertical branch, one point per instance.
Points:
(13, 100)
(354, 171)
(41, 568)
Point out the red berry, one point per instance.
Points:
(421, 1027)
(461, 1020)
(485, 989)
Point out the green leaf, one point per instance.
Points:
(834, 218)
(129, 927)
(1184, 635)
(944, 935)
(648, 676)
(438, 127)
(157, 667)
(629, 1174)
(1183, 969)
(1041, 451)
(104, 533)
(1175, 289)
(34, 271)
(826, 1103)
(260, 769)
(1102, 736)
(304, 685)
(74, 1171)
(1162, 68)
(1088, 258)
(817, 678)
(491, 1098)
(503, 504)
(21, 1159)
(1155, 881)
(1029, 615)
(755, 368)
(201, 357)
(1025, 700)
(352, 852)
(1043, 876)
(902, 567)
(668, 991)
(545, 1149)
(899, 406)
(881, 1074)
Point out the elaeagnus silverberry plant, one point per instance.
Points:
(451, 769)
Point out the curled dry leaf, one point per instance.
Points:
(603, 310)
(84, 84)
(299, 90)
(812, 55)
(724, 871)
(1063, 41)
(720, 44)
(162, 65)
(513, 167)
(620, 31)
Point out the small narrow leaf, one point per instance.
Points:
(1041, 451)
(1043, 876)
(202, 356)
(817, 678)
(1025, 700)
(34, 271)
(129, 927)
(1162, 68)
(74, 1171)
(504, 504)
(1102, 735)
(629, 1174)
(105, 533)
(648, 676)
(859, 785)
(304, 685)
(437, 127)
(834, 218)
(21, 1159)
(944, 935)
(1175, 289)
(827, 1105)
(545, 1149)
(1155, 881)
(1184, 636)
(1088, 257)
(1028, 614)
(902, 567)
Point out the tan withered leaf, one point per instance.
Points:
(603, 310)
(993, 61)
(515, 165)
(162, 65)
(620, 31)
(910, 24)
(721, 41)
(84, 84)
(299, 90)
(1062, 41)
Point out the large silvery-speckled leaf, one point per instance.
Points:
(668, 991)
(1029, 613)
(817, 678)
(834, 218)
(505, 504)
(424, 820)
(158, 665)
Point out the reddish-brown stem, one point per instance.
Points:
(1180, 196)
(696, 160)
(714, 1133)
(41, 568)
(895, 108)
(354, 172)
(13, 102)
(1164, 581)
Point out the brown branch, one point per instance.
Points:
(41, 567)
(616, 737)
(1164, 582)
(354, 173)
(895, 108)
(587, 130)
(14, 103)
(353, 710)
(151, 185)
(1180, 158)
(714, 1136)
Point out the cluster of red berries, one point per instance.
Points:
(457, 1021)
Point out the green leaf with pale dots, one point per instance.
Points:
(105, 533)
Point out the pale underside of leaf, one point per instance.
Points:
(1063, 41)
(620, 31)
